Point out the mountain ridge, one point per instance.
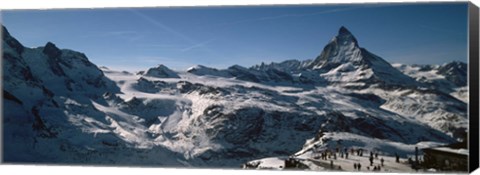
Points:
(208, 117)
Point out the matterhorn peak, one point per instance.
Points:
(343, 31)
(345, 37)
(342, 54)
(341, 49)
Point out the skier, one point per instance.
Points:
(397, 159)
(355, 166)
(381, 161)
(371, 160)
(359, 166)
(346, 155)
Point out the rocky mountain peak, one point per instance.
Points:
(11, 41)
(342, 60)
(345, 37)
(343, 30)
(161, 71)
(341, 49)
(51, 50)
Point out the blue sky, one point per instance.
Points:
(139, 38)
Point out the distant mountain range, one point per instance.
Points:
(61, 108)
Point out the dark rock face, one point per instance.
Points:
(425, 67)
(18, 67)
(7, 95)
(242, 73)
(51, 50)
(187, 87)
(242, 126)
(39, 125)
(344, 36)
(148, 86)
(54, 53)
(12, 42)
(302, 123)
(336, 122)
(250, 132)
(278, 75)
(368, 98)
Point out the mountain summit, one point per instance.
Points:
(341, 49)
(343, 60)
(345, 37)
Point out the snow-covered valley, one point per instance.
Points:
(61, 108)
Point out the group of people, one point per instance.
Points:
(345, 152)
(373, 156)
(328, 154)
(376, 157)
(357, 166)
(325, 155)
(358, 151)
(375, 168)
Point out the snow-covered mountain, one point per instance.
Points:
(207, 117)
(285, 66)
(450, 78)
(161, 71)
(454, 72)
(344, 61)
(50, 112)
(242, 73)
